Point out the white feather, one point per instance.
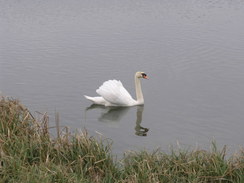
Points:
(114, 92)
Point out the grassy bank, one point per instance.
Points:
(29, 154)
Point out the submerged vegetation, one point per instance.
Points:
(28, 153)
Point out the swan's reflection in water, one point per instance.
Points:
(140, 131)
(114, 114)
(110, 114)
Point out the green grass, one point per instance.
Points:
(29, 154)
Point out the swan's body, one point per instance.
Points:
(113, 93)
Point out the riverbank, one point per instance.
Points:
(28, 153)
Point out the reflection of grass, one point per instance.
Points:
(28, 154)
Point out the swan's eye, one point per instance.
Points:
(144, 75)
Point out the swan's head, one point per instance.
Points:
(141, 75)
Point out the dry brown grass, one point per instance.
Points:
(28, 153)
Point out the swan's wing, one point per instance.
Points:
(114, 92)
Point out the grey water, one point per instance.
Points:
(54, 52)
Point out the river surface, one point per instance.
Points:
(54, 52)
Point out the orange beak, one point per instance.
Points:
(145, 77)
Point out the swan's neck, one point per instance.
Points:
(139, 95)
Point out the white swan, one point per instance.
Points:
(113, 93)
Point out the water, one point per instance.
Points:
(54, 52)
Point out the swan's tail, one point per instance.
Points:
(89, 98)
(93, 99)
(96, 100)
